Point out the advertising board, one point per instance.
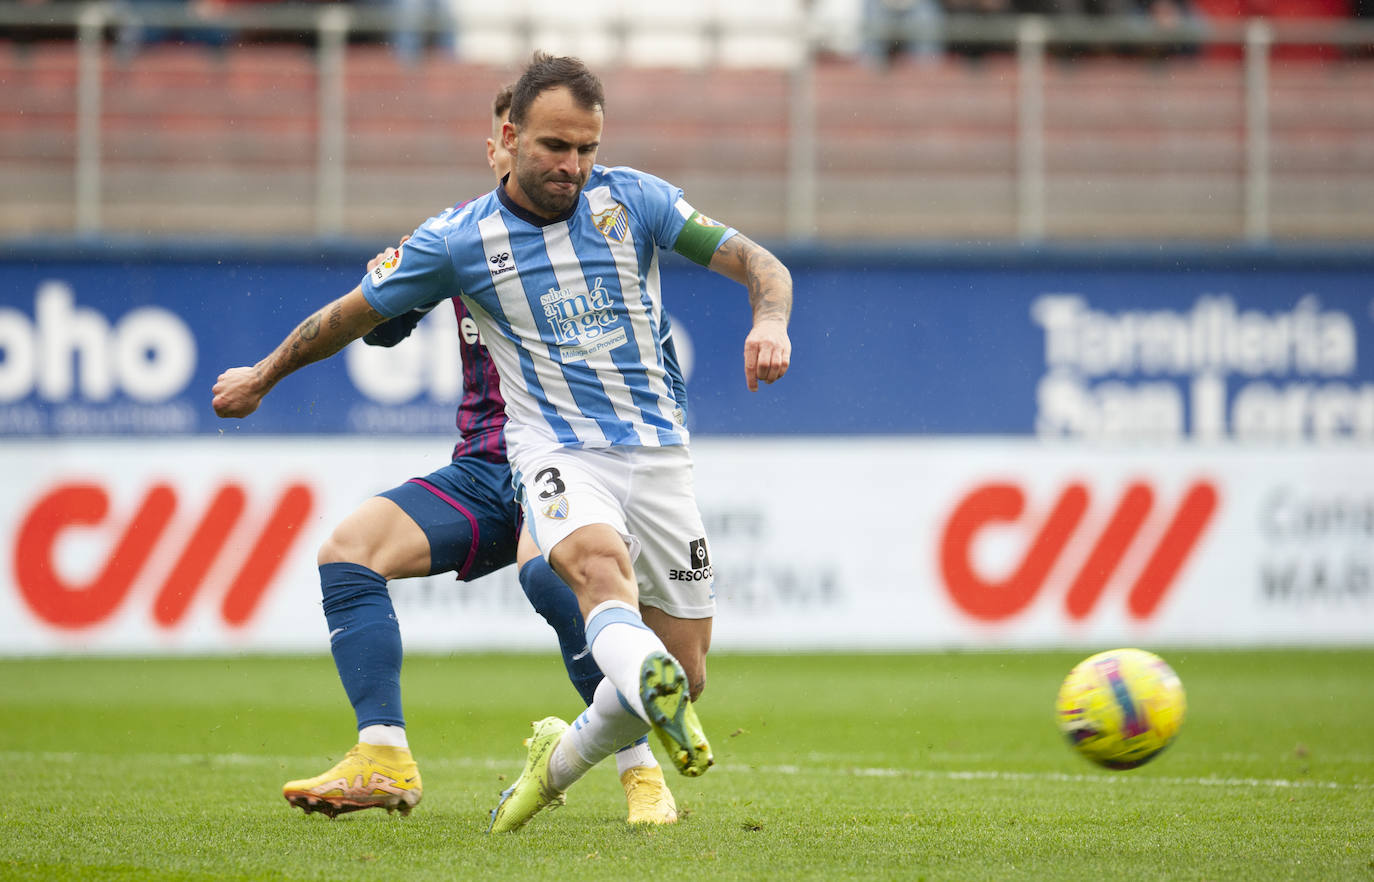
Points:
(1093, 350)
(208, 545)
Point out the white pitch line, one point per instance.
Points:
(513, 762)
(1105, 778)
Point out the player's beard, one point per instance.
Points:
(555, 203)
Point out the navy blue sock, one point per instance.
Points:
(554, 600)
(366, 641)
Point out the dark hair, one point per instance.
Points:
(547, 72)
(501, 103)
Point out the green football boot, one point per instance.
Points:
(667, 701)
(534, 788)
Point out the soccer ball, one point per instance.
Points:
(1121, 708)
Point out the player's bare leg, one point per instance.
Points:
(379, 535)
(687, 639)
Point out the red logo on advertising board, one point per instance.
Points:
(65, 605)
(995, 503)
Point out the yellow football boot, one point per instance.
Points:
(369, 776)
(650, 800)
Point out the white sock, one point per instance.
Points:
(383, 736)
(593, 736)
(620, 641)
(636, 756)
(566, 765)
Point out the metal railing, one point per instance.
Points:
(1037, 44)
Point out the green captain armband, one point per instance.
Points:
(699, 238)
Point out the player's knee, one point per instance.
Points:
(381, 536)
(347, 545)
(334, 550)
(598, 573)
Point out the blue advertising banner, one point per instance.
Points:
(1188, 346)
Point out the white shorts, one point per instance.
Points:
(647, 494)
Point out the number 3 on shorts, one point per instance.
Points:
(552, 481)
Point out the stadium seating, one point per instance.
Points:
(201, 141)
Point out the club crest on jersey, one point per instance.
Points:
(501, 262)
(556, 510)
(382, 271)
(582, 323)
(613, 223)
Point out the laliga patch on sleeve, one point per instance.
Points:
(382, 271)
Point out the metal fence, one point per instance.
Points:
(299, 121)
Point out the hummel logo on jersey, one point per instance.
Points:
(501, 263)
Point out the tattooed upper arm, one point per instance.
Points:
(731, 258)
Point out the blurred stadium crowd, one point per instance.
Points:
(885, 29)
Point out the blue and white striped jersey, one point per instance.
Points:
(570, 309)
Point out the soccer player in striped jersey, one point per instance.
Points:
(461, 518)
(559, 268)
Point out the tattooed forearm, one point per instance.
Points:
(311, 342)
(770, 288)
(769, 282)
(302, 348)
(305, 333)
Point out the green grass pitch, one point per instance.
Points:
(937, 766)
